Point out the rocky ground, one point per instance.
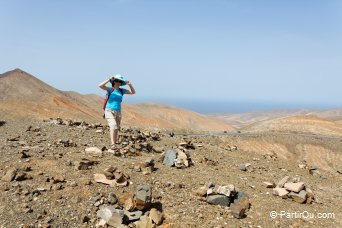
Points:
(47, 180)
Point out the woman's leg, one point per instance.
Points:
(112, 125)
(112, 136)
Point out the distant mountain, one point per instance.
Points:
(23, 96)
(243, 119)
(298, 124)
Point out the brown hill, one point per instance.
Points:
(298, 124)
(243, 119)
(159, 115)
(26, 97)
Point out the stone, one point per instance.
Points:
(144, 222)
(21, 176)
(112, 198)
(84, 164)
(283, 181)
(240, 206)
(201, 191)
(302, 166)
(129, 204)
(298, 197)
(183, 157)
(310, 196)
(143, 197)
(9, 176)
(210, 191)
(108, 175)
(101, 178)
(111, 215)
(179, 163)
(147, 170)
(133, 216)
(110, 169)
(149, 162)
(294, 187)
(137, 168)
(242, 167)
(227, 190)
(123, 198)
(282, 192)
(120, 179)
(158, 149)
(156, 216)
(269, 184)
(24, 155)
(73, 184)
(85, 219)
(93, 151)
(169, 158)
(218, 200)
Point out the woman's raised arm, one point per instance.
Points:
(103, 86)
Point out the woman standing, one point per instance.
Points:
(113, 107)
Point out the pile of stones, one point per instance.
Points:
(179, 158)
(226, 196)
(15, 174)
(293, 189)
(146, 167)
(74, 123)
(111, 176)
(133, 209)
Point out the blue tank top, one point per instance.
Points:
(115, 99)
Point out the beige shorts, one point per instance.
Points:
(114, 118)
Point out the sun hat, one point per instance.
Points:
(120, 78)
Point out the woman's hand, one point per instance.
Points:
(132, 91)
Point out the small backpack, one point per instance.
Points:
(107, 97)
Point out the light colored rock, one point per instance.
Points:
(111, 215)
(9, 176)
(93, 151)
(283, 181)
(101, 178)
(298, 197)
(210, 191)
(294, 187)
(179, 163)
(242, 167)
(282, 192)
(183, 157)
(302, 166)
(156, 216)
(269, 184)
(147, 170)
(227, 190)
(144, 222)
(201, 191)
(310, 196)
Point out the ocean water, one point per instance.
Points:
(220, 107)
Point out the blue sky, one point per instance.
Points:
(285, 52)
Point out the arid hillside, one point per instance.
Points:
(23, 96)
(298, 124)
(243, 119)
